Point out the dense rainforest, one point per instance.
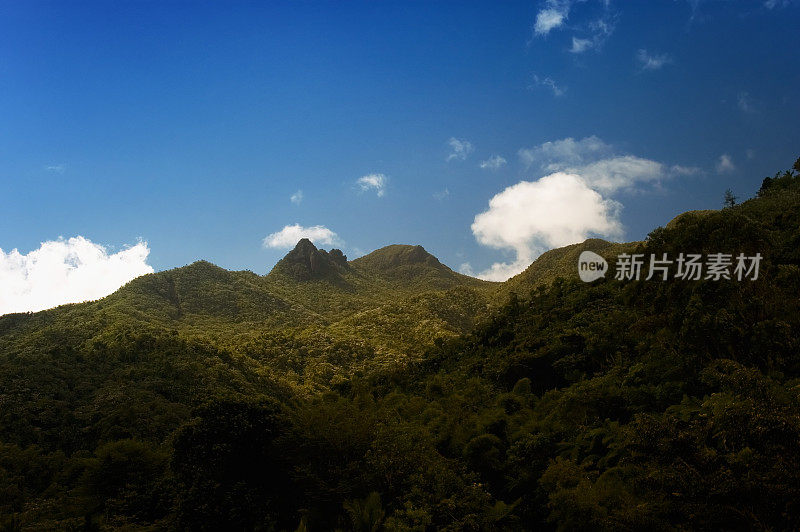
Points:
(391, 393)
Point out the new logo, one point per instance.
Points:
(591, 266)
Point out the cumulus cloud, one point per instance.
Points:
(548, 83)
(288, 237)
(66, 271)
(297, 197)
(649, 61)
(459, 149)
(532, 216)
(493, 163)
(725, 164)
(572, 201)
(376, 182)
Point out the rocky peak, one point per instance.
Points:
(306, 262)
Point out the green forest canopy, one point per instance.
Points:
(391, 393)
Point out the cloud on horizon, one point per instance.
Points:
(533, 216)
(290, 235)
(66, 271)
(570, 203)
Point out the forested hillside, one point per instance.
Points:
(391, 393)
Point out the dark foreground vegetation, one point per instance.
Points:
(615, 405)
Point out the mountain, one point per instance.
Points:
(391, 393)
(560, 262)
(306, 262)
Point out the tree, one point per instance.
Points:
(229, 469)
(730, 199)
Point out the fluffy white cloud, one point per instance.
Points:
(297, 197)
(66, 271)
(290, 235)
(553, 15)
(570, 203)
(725, 164)
(648, 61)
(548, 83)
(493, 163)
(460, 148)
(548, 19)
(532, 216)
(376, 182)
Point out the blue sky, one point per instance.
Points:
(191, 125)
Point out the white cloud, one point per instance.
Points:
(376, 182)
(648, 61)
(460, 149)
(531, 216)
(548, 83)
(551, 17)
(493, 163)
(598, 165)
(725, 164)
(580, 45)
(560, 154)
(66, 271)
(570, 203)
(297, 197)
(678, 169)
(598, 33)
(290, 235)
(608, 175)
(56, 168)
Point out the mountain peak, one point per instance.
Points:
(397, 255)
(306, 262)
